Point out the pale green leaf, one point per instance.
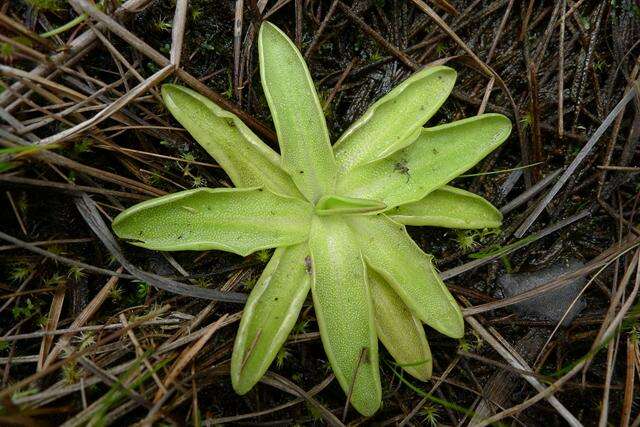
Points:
(297, 115)
(390, 251)
(235, 220)
(449, 207)
(394, 121)
(399, 330)
(248, 161)
(342, 303)
(332, 205)
(269, 315)
(440, 154)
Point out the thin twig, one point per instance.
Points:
(177, 31)
(574, 164)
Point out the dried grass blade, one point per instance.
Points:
(575, 163)
(82, 318)
(188, 354)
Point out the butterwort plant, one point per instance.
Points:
(335, 215)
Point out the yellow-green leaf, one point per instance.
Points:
(449, 207)
(235, 220)
(393, 121)
(399, 330)
(270, 314)
(343, 308)
(247, 160)
(390, 251)
(300, 124)
(440, 154)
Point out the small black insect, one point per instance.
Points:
(401, 167)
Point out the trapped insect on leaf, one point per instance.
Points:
(335, 214)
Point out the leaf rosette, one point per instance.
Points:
(335, 214)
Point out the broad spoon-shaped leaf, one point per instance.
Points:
(343, 308)
(399, 330)
(269, 314)
(247, 160)
(449, 207)
(440, 154)
(297, 115)
(408, 270)
(395, 120)
(235, 220)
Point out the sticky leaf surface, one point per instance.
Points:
(297, 115)
(449, 207)
(440, 154)
(269, 315)
(399, 330)
(343, 308)
(235, 220)
(247, 160)
(390, 251)
(391, 122)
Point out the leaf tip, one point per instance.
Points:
(169, 89)
(369, 412)
(269, 29)
(169, 94)
(452, 327)
(421, 371)
(505, 127)
(240, 384)
(503, 120)
(449, 72)
(116, 225)
(441, 75)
